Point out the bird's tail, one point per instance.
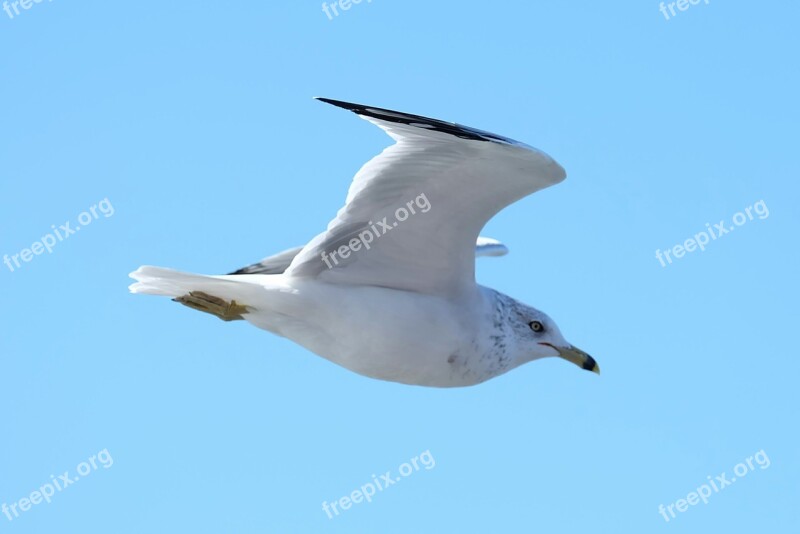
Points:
(170, 283)
(225, 296)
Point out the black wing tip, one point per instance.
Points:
(358, 109)
(255, 268)
(341, 103)
(419, 121)
(259, 268)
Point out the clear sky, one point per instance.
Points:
(190, 130)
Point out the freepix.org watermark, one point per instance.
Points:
(58, 235)
(47, 490)
(376, 230)
(668, 9)
(12, 9)
(368, 490)
(700, 240)
(334, 7)
(718, 483)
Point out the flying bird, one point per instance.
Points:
(388, 290)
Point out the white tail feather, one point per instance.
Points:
(171, 283)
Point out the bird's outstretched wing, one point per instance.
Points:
(278, 263)
(414, 212)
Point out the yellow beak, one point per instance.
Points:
(578, 357)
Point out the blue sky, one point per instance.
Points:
(193, 124)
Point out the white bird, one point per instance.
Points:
(388, 290)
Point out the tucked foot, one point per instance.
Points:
(227, 311)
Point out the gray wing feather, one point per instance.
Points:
(275, 264)
(278, 263)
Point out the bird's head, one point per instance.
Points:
(541, 338)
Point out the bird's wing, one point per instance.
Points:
(278, 263)
(275, 264)
(414, 212)
(487, 246)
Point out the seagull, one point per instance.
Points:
(388, 290)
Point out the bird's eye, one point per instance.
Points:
(536, 326)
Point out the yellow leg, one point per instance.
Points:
(227, 311)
